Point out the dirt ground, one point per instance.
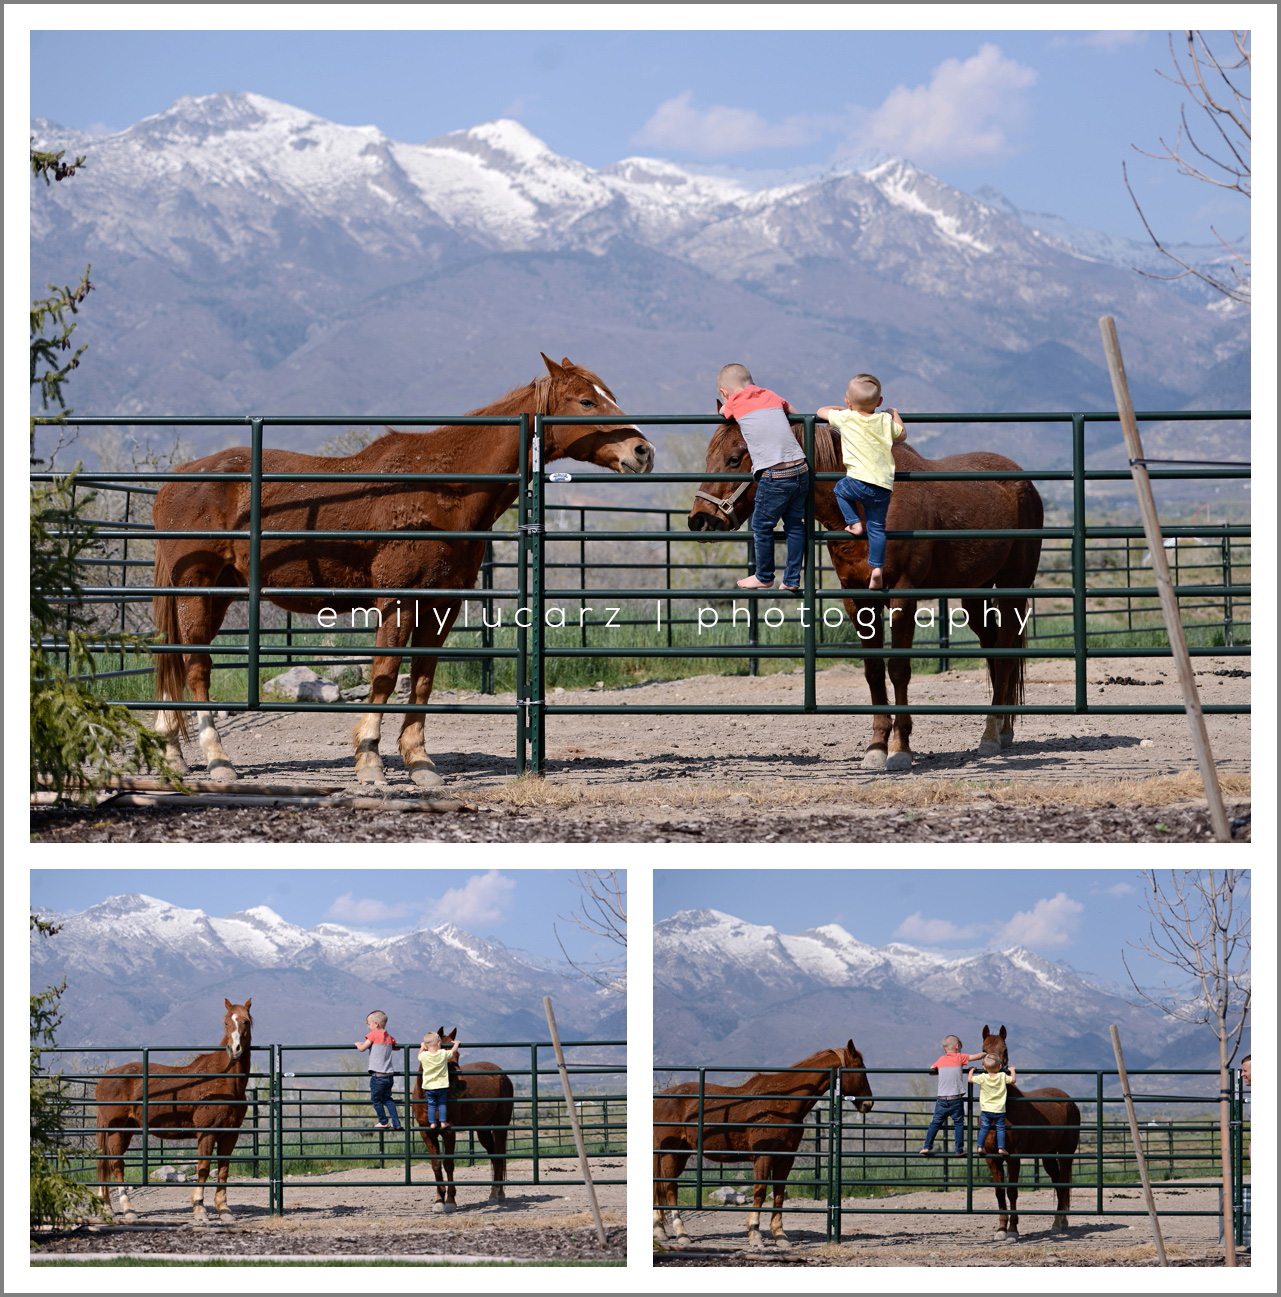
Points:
(760, 778)
(897, 1238)
(325, 1217)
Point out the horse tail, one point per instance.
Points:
(1031, 514)
(170, 679)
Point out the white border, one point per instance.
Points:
(19, 21)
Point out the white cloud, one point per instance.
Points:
(349, 908)
(1117, 889)
(916, 927)
(1052, 921)
(483, 898)
(678, 126)
(969, 112)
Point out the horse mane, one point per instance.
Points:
(781, 1082)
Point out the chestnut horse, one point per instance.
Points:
(480, 1099)
(1041, 1123)
(329, 566)
(760, 1121)
(203, 1100)
(968, 564)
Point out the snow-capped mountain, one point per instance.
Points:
(250, 255)
(746, 992)
(140, 968)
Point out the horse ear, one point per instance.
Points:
(987, 1031)
(228, 1003)
(1002, 1031)
(249, 1001)
(566, 363)
(552, 367)
(849, 1046)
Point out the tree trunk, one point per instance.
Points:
(1225, 1154)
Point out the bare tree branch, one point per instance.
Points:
(602, 914)
(1215, 85)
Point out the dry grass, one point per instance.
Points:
(884, 792)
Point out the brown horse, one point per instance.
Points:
(1041, 1123)
(330, 566)
(968, 564)
(761, 1121)
(203, 1100)
(480, 1099)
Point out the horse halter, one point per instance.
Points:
(725, 503)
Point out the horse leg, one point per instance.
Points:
(981, 612)
(761, 1167)
(782, 1169)
(199, 619)
(204, 1153)
(997, 1172)
(1013, 1235)
(226, 1146)
(392, 634)
(875, 758)
(1007, 675)
(1059, 1169)
(115, 1144)
(422, 671)
(667, 1169)
(902, 631)
(494, 1142)
(449, 1140)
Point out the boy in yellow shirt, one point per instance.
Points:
(434, 1059)
(993, 1085)
(867, 440)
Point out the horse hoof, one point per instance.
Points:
(425, 776)
(370, 775)
(226, 1217)
(438, 1208)
(999, 1236)
(899, 761)
(130, 1218)
(989, 748)
(754, 1242)
(782, 1241)
(223, 772)
(1007, 739)
(874, 759)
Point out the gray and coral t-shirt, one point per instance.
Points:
(382, 1051)
(951, 1070)
(762, 419)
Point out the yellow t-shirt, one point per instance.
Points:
(435, 1068)
(992, 1088)
(866, 442)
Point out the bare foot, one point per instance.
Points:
(855, 529)
(752, 583)
(876, 580)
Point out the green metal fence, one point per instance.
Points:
(307, 1115)
(855, 1164)
(532, 591)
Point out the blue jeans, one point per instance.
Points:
(437, 1106)
(780, 497)
(380, 1097)
(989, 1121)
(876, 504)
(947, 1109)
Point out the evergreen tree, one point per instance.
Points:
(56, 1198)
(77, 739)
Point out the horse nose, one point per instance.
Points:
(697, 521)
(643, 453)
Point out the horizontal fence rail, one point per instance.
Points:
(1093, 598)
(851, 1163)
(308, 1116)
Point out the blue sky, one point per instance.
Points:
(517, 907)
(1044, 117)
(1082, 917)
